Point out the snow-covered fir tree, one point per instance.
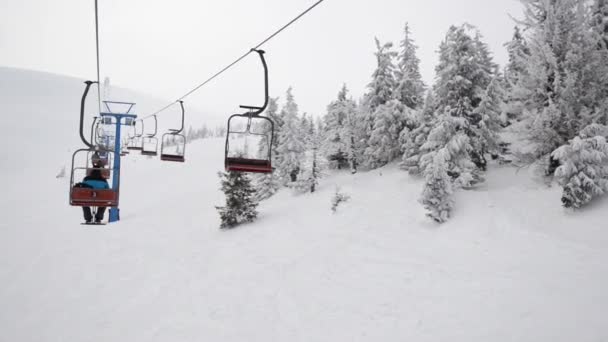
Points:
(312, 166)
(449, 136)
(340, 130)
(489, 112)
(565, 83)
(272, 131)
(464, 73)
(518, 52)
(412, 141)
(584, 166)
(437, 194)
(390, 119)
(410, 87)
(338, 198)
(307, 128)
(240, 205)
(335, 146)
(380, 90)
(266, 186)
(600, 19)
(464, 126)
(382, 87)
(291, 148)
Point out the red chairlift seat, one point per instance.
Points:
(85, 197)
(149, 153)
(173, 158)
(248, 165)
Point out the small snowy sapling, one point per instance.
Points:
(338, 198)
(240, 204)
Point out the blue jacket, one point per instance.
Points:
(96, 184)
(95, 181)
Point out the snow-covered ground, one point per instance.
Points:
(511, 265)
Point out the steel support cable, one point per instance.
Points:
(97, 45)
(283, 28)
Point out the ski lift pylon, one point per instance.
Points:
(243, 161)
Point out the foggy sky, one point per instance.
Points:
(165, 48)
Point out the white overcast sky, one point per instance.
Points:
(164, 48)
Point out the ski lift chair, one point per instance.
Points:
(260, 128)
(86, 197)
(150, 142)
(136, 141)
(173, 145)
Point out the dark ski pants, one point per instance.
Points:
(88, 216)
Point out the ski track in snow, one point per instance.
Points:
(511, 265)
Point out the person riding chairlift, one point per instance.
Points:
(95, 180)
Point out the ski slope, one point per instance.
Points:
(511, 265)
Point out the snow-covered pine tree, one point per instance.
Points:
(380, 90)
(338, 198)
(190, 135)
(272, 113)
(307, 128)
(292, 147)
(390, 119)
(312, 166)
(464, 73)
(449, 135)
(518, 52)
(600, 24)
(412, 141)
(382, 87)
(584, 166)
(340, 127)
(489, 111)
(334, 147)
(600, 18)
(410, 87)
(240, 205)
(353, 134)
(437, 194)
(266, 186)
(564, 85)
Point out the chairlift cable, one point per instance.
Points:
(97, 45)
(266, 40)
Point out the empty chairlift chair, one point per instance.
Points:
(150, 142)
(136, 141)
(249, 137)
(173, 145)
